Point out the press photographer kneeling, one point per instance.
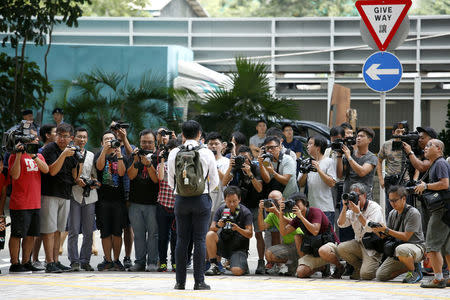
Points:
(230, 234)
(403, 239)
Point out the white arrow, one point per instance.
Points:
(373, 72)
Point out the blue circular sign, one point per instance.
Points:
(382, 71)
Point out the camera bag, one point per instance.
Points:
(390, 243)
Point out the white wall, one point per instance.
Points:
(438, 114)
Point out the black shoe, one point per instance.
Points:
(32, 268)
(127, 262)
(52, 268)
(105, 265)
(75, 267)
(179, 286)
(201, 286)
(348, 270)
(118, 266)
(261, 267)
(87, 267)
(18, 269)
(63, 267)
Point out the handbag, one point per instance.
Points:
(435, 200)
(372, 241)
(390, 242)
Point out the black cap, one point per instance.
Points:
(27, 112)
(428, 130)
(58, 110)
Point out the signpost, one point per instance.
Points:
(382, 71)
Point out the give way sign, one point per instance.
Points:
(382, 18)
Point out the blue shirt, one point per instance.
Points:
(296, 145)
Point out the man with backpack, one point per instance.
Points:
(192, 173)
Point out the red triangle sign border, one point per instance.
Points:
(360, 3)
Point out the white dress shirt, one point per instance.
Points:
(207, 160)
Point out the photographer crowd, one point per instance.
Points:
(310, 211)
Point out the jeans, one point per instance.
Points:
(192, 217)
(166, 232)
(330, 216)
(347, 233)
(145, 227)
(81, 219)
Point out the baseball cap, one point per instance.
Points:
(428, 130)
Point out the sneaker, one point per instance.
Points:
(151, 268)
(63, 267)
(275, 270)
(39, 265)
(283, 270)
(448, 281)
(86, 267)
(268, 266)
(414, 276)
(326, 271)
(260, 269)
(127, 262)
(75, 267)
(29, 266)
(117, 266)
(356, 274)
(434, 283)
(207, 265)
(338, 272)
(174, 267)
(137, 267)
(105, 265)
(221, 267)
(19, 269)
(162, 268)
(52, 268)
(348, 270)
(201, 286)
(213, 270)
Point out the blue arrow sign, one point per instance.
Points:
(382, 71)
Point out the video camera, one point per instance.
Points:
(352, 196)
(338, 143)
(166, 132)
(411, 138)
(305, 165)
(88, 184)
(118, 125)
(228, 219)
(20, 133)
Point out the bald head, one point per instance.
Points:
(439, 144)
(276, 195)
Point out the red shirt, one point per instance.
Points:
(315, 215)
(26, 190)
(4, 180)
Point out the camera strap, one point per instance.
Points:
(402, 217)
(426, 175)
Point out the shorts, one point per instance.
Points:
(255, 212)
(111, 217)
(238, 259)
(285, 252)
(54, 213)
(316, 262)
(438, 233)
(24, 222)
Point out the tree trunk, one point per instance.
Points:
(41, 117)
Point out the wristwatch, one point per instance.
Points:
(410, 152)
(386, 231)
(34, 156)
(251, 177)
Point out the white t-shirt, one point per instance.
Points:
(87, 172)
(217, 194)
(319, 193)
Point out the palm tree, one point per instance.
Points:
(250, 99)
(93, 100)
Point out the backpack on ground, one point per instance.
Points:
(189, 178)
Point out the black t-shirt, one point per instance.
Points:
(59, 185)
(242, 216)
(142, 189)
(250, 197)
(112, 188)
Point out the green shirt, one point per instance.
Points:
(273, 220)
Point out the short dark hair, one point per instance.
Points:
(270, 139)
(232, 190)
(274, 131)
(239, 138)
(404, 124)
(191, 129)
(145, 132)
(346, 125)
(399, 190)
(46, 129)
(106, 132)
(287, 125)
(172, 143)
(245, 149)
(80, 129)
(261, 121)
(337, 130)
(369, 131)
(319, 141)
(214, 135)
(298, 196)
(64, 127)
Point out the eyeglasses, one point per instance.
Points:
(81, 137)
(271, 147)
(394, 200)
(148, 143)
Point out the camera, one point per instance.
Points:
(88, 184)
(118, 125)
(305, 165)
(338, 143)
(352, 196)
(267, 158)
(20, 133)
(288, 205)
(32, 148)
(144, 152)
(115, 143)
(411, 138)
(373, 224)
(411, 185)
(268, 203)
(228, 219)
(166, 132)
(77, 155)
(239, 162)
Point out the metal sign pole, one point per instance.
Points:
(382, 140)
